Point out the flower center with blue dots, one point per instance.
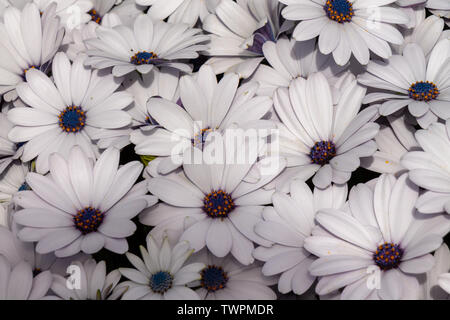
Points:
(218, 204)
(24, 187)
(423, 91)
(88, 220)
(322, 152)
(213, 278)
(200, 138)
(388, 256)
(95, 16)
(143, 57)
(161, 281)
(339, 10)
(72, 119)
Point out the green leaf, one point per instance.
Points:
(146, 159)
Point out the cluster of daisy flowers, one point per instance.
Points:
(221, 149)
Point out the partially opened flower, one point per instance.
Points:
(376, 247)
(394, 140)
(149, 43)
(162, 273)
(81, 206)
(289, 60)
(18, 282)
(238, 32)
(9, 151)
(94, 283)
(212, 204)
(436, 286)
(13, 181)
(227, 279)
(430, 169)
(411, 80)
(320, 138)
(185, 11)
(28, 41)
(73, 109)
(346, 27)
(287, 225)
(209, 107)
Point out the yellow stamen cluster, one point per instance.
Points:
(423, 91)
(339, 10)
(88, 220)
(143, 57)
(72, 119)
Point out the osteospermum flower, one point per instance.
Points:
(209, 106)
(227, 279)
(26, 46)
(410, 80)
(185, 11)
(73, 109)
(287, 225)
(211, 204)
(9, 151)
(238, 32)
(162, 83)
(150, 43)
(162, 273)
(319, 138)
(17, 282)
(346, 27)
(375, 248)
(289, 60)
(94, 283)
(394, 141)
(81, 206)
(430, 169)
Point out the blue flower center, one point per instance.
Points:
(218, 204)
(200, 138)
(322, 152)
(24, 187)
(143, 57)
(423, 91)
(339, 10)
(95, 16)
(72, 119)
(161, 281)
(213, 278)
(388, 256)
(260, 36)
(88, 220)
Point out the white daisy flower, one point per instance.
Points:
(436, 285)
(289, 60)
(375, 248)
(26, 46)
(18, 282)
(106, 11)
(209, 106)
(430, 169)
(238, 32)
(440, 8)
(394, 140)
(322, 138)
(95, 284)
(9, 151)
(347, 26)
(73, 109)
(184, 11)
(80, 206)
(12, 181)
(150, 43)
(287, 225)
(162, 273)
(158, 83)
(212, 205)
(410, 80)
(227, 279)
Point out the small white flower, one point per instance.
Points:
(81, 206)
(414, 81)
(227, 279)
(149, 43)
(287, 225)
(162, 273)
(346, 27)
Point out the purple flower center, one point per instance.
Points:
(213, 278)
(88, 220)
(161, 281)
(322, 152)
(423, 91)
(143, 57)
(95, 16)
(72, 119)
(218, 204)
(387, 256)
(339, 10)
